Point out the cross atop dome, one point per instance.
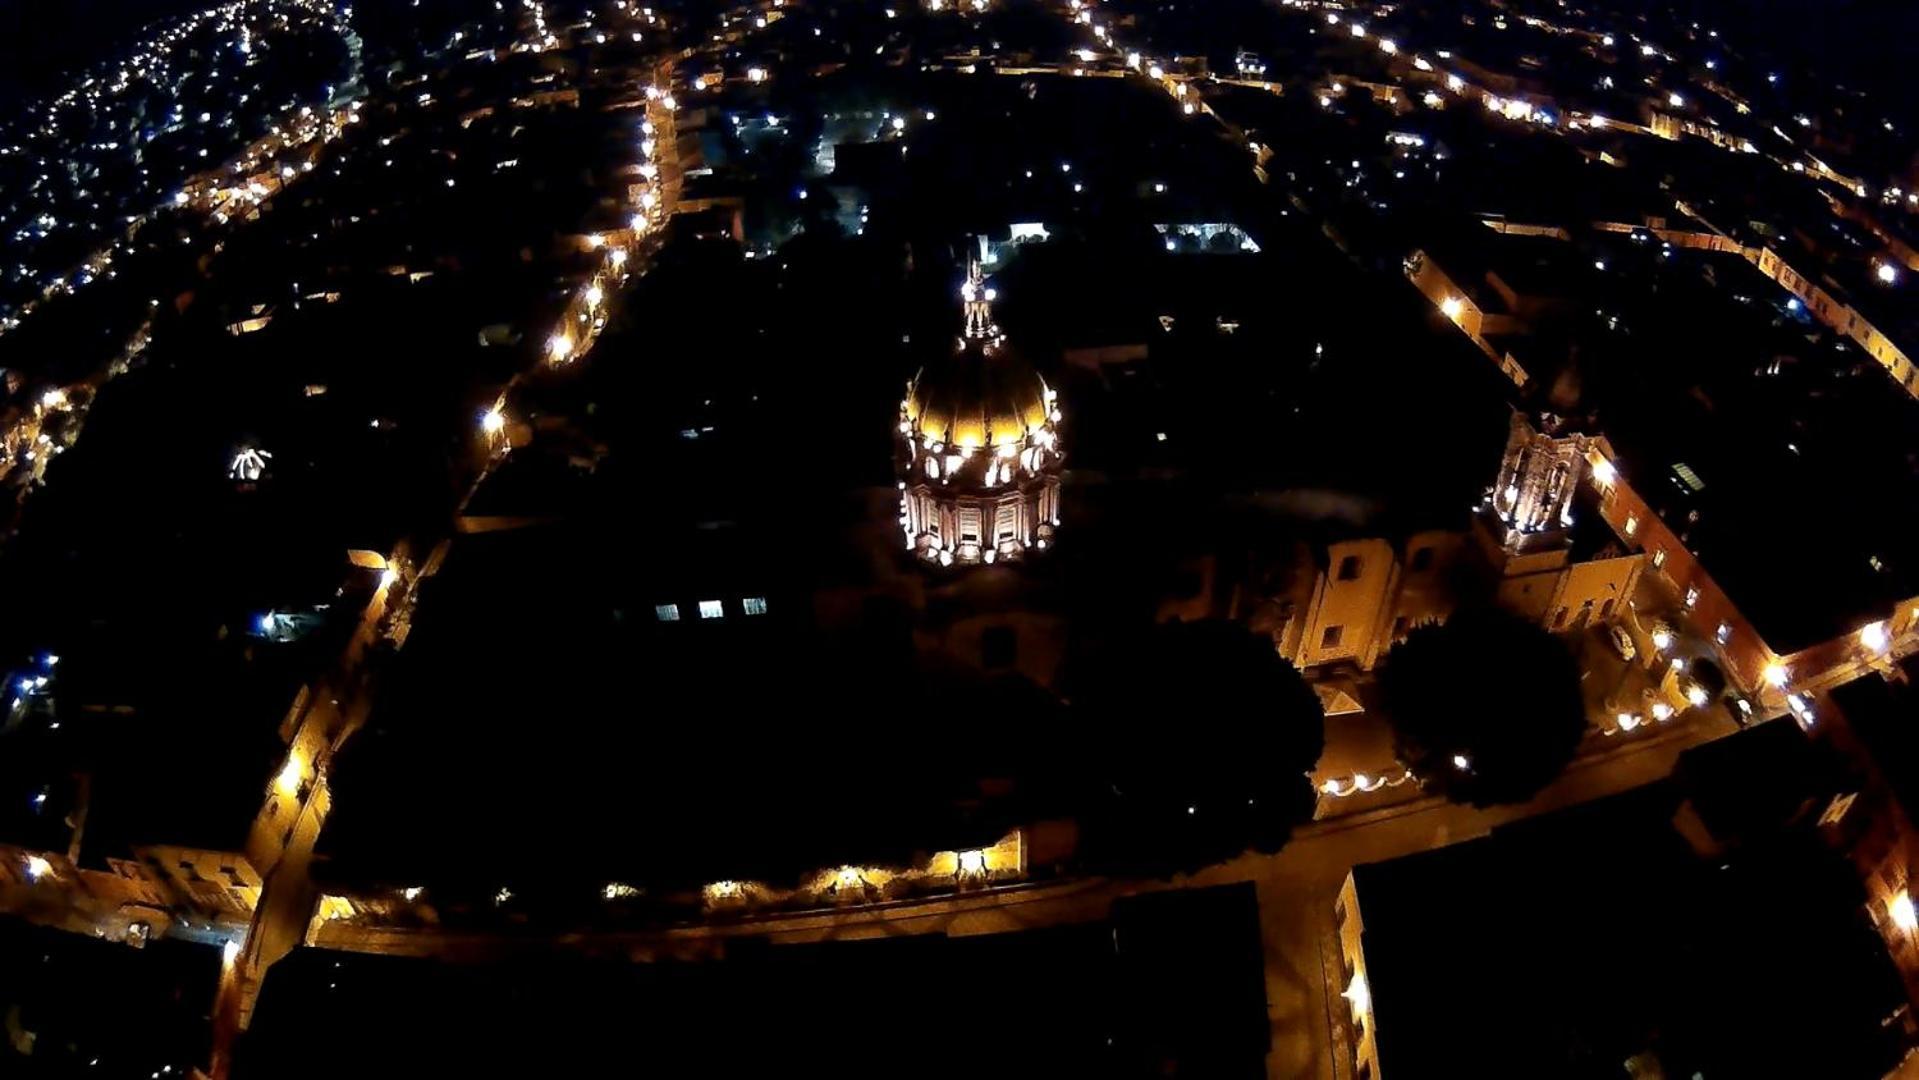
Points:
(976, 299)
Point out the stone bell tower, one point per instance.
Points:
(1529, 509)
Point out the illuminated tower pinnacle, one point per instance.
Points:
(1530, 504)
(977, 301)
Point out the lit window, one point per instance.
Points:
(1723, 634)
(712, 609)
(1632, 524)
(1692, 597)
(754, 605)
(1658, 558)
(666, 612)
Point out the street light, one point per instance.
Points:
(1359, 994)
(288, 782)
(1901, 909)
(37, 868)
(1874, 637)
(1776, 674)
(1452, 307)
(493, 421)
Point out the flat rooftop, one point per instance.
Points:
(1531, 953)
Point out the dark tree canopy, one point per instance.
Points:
(1202, 738)
(1495, 690)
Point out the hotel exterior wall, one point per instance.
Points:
(1352, 954)
(1426, 592)
(1600, 587)
(1344, 619)
(1877, 834)
(1745, 653)
(1437, 286)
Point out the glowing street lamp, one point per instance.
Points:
(559, 347)
(1452, 307)
(1662, 639)
(1888, 273)
(37, 868)
(1359, 994)
(1874, 637)
(287, 782)
(493, 421)
(1901, 909)
(1777, 675)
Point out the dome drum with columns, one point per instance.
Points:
(979, 452)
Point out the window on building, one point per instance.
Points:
(754, 605)
(1632, 524)
(1723, 633)
(1421, 560)
(1692, 597)
(998, 646)
(1349, 568)
(1006, 522)
(1659, 559)
(969, 525)
(666, 612)
(712, 609)
(1330, 639)
(1836, 809)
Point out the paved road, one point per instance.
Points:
(1296, 887)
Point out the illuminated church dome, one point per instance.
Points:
(979, 448)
